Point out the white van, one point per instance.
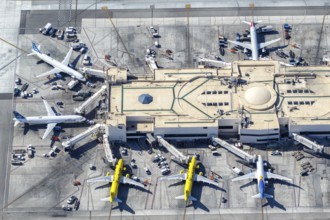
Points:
(237, 171)
(46, 29)
(72, 83)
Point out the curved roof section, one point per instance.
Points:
(257, 95)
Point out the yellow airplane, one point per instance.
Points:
(116, 178)
(190, 176)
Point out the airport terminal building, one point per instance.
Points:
(254, 101)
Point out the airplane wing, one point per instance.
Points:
(199, 178)
(246, 176)
(50, 127)
(276, 176)
(182, 176)
(50, 72)
(101, 179)
(67, 57)
(262, 45)
(245, 45)
(50, 111)
(129, 181)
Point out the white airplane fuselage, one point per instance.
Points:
(261, 176)
(60, 66)
(52, 119)
(254, 42)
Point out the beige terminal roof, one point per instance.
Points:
(263, 91)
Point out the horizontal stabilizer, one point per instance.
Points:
(180, 197)
(244, 45)
(106, 199)
(16, 123)
(118, 200)
(30, 54)
(258, 196)
(191, 198)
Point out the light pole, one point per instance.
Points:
(188, 6)
(268, 128)
(152, 7)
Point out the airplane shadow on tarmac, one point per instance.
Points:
(123, 195)
(197, 193)
(272, 202)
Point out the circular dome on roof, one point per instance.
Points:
(257, 95)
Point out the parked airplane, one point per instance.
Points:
(190, 176)
(58, 66)
(115, 179)
(254, 46)
(261, 175)
(51, 119)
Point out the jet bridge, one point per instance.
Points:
(107, 148)
(175, 152)
(238, 152)
(216, 63)
(94, 72)
(68, 145)
(308, 143)
(82, 108)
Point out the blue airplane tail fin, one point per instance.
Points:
(18, 116)
(35, 48)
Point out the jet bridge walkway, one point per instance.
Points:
(308, 143)
(175, 152)
(238, 152)
(82, 108)
(107, 148)
(68, 145)
(94, 72)
(98, 128)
